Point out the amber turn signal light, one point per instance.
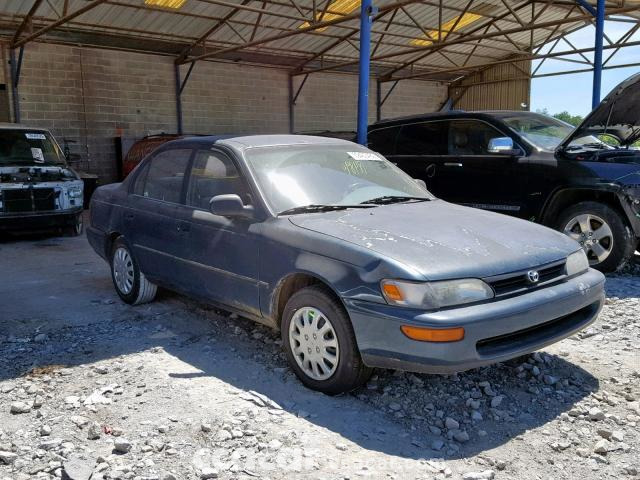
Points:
(424, 334)
(392, 292)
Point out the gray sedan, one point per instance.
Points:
(356, 263)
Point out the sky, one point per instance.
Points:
(572, 93)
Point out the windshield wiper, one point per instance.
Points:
(318, 208)
(388, 199)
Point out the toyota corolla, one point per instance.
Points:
(354, 262)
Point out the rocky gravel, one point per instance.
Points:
(93, 389)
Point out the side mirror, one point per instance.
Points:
(229, 205)
(420, 182)
(502, 146)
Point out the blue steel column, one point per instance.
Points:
(363, 81)
(597, 56)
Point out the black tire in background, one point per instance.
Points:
(141, 289)
(76, 228)
(622, 240)
(350, 372)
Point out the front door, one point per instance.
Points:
(221, 253)
(476, 177)
(151, 223)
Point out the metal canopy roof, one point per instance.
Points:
(430, 39)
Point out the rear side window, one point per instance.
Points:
(471, 137)
(427, 138)
(163, 176)
(213, 173)
(383, 140)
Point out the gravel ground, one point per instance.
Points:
(92, 388)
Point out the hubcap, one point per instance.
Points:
(123, 270)
(594, 234)
(314, 343)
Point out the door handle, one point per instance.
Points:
(184, 227)
(128, 217)
(453, 164)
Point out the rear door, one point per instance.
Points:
(478, 178)
(221, 253)
(421, 152)
(152, 226)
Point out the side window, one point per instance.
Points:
(427, 138)
(213, 173)
(164, 175)
(471, 137)
(383, 140)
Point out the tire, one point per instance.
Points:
(610, 249)
(130, 283)
(77, 228)
(314, 307)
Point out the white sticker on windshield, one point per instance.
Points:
(364, 156)
(35, 136)
(37, 154)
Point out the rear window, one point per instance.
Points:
(29, 147)
(426, 138)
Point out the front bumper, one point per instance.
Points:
(494, 331)
(39, 220)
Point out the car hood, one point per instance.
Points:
(29, 174)
(617, 114)
(440, 240)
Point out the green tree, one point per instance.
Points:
(565, 116)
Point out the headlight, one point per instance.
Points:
(74, 192)
(576, 263)
(430, 295)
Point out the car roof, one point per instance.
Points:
(243, 142)
(18, 126)
(446, 115)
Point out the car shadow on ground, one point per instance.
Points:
(247, 356)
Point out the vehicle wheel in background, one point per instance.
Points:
(130, 283)
(77, 227)
(320, 344)
(602, 232)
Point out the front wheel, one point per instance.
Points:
(77, 227)
(130, 283)
(320, 344)
(601, 231)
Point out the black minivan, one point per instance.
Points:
(584, 181)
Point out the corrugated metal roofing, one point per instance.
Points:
(259, 19)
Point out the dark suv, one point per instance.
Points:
(583, 181)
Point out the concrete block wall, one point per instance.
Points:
(93, 95)
(329, 101)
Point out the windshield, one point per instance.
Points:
(299, 175)
(25, 147)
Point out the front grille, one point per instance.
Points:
(538, 334)
(517, 282)
(22, 200)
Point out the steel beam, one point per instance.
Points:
(299, 31)
(15, 80)
(57, 23)
(366, 19)
(26, 21)
(471, 38)
(178, 90)
(597, 54)
(473, 68)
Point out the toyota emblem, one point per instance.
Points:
(533, 276)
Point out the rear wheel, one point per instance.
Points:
(320, 344)
(130, 283)
(602, 232)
